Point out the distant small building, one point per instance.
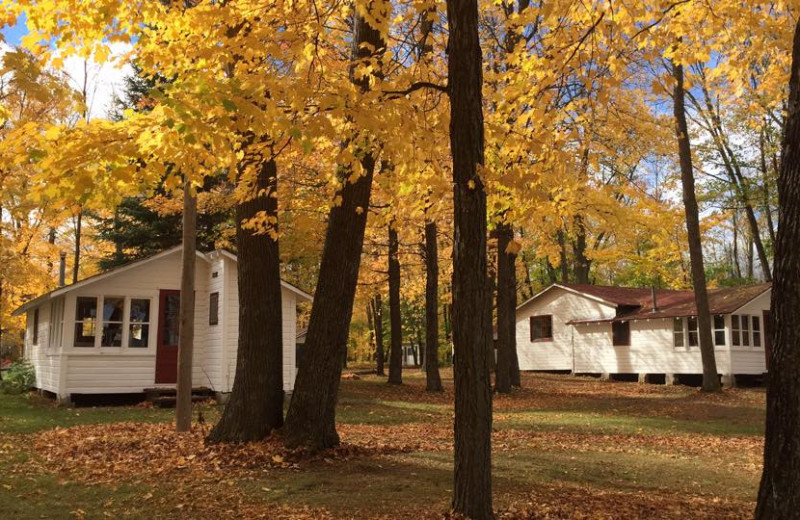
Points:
(621, 330)
(117, 332)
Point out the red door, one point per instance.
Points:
(169, 304)
(767, 335)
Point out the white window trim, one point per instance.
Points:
(124, 349)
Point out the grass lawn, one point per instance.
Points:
(563, 447)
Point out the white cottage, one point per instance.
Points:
(620, 330)
(117, 332)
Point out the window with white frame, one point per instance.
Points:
(736, 331)
(694, 336)
(745, 321)
(56, 323)
(85, 321)
(677, 332)
(719, 330)
(139, 328)
(113, 321)
(756, 331)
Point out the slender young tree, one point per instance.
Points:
(396, 325)
(433, 380)
(472, 319)
(255, 407)
(506, 308)
(311, 419)
(710, 378)
(778, 496)
(376, 309)
(183, 404)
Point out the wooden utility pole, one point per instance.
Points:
(183, 405)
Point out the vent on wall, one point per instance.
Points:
(214, 274)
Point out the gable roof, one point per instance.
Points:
(38, 301)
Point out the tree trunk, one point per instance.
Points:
(582, 264)
(562, 247)
(765, 187)
(710, 377)
(433, 380)
(77, 253)
(255, 406)
(377, 318)
(737, 268)
(778, 496)
(472, 319)
(311, 420)
(506, 327)
(183, 403)
(396, 327)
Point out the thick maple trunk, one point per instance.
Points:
(183, 404)
(505, 309)
(710, 377)
(311, 419)
(433, 380)
(255, 406)
(472, 319)
(778, 496)
(395, 321)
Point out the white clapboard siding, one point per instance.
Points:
(65, 369)
(651, 351)
(752, 360)
(45, 360)
(563, 306)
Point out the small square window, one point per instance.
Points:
(541, 328)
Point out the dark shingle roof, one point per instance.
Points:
(670, 304)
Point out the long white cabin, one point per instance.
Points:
(117, 332)
(619, 330)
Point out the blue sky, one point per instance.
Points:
(13, 34)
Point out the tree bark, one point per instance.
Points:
(778, 496)
(377, 318)
(472, 319)
(311, 420)
(433, 380)
(77, 253)
(506, 328)
(395, 321)
(765, 188)
(582, 264)
(255, 406)
(562, 245)
(710, 378)
(183, 403)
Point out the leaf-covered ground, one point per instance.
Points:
(563, 448)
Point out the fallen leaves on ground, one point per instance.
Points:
(104, 452)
